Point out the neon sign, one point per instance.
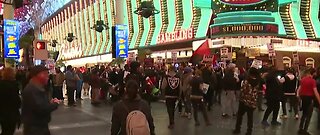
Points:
(242, 2)
(122, 37)
(11, 39)
(179, 35)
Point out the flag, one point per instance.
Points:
(198, 54)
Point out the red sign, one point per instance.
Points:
(242, 2)
(179, 35)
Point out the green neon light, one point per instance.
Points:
(314, 13)
(83, 35)
(96, 17)
(91, 32)
(245, 18)
(76, 17)
(158, 21)
(296, 20)
(187, 10)
(244, 13)
(103, 32)
(87, 31)
(249, 22)
(146, 29)
(125, 11)
(109, 15)
(135, 24)
(204, 22)
(278, 20)
(172, 15)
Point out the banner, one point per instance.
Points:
(122, 43)
(11, 39)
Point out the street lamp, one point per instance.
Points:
(70, 37)
(100, 26)
(54, 43)
(146, 9)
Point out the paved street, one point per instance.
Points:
(89, 120)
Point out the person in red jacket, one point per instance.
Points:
(307, 91)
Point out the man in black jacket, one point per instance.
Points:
(36, 107)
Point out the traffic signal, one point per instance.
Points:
(41, 45)
(40, 49)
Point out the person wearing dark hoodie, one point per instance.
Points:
(273, 96)
(131, 101)
(197, 99)
(248, 100)
(289, 88)
(171, 86)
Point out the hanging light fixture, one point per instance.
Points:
(146, 9)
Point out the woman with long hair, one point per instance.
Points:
(10, 102)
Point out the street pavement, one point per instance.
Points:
(86, 119)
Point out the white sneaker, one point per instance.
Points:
(284, 116)
(296, 116)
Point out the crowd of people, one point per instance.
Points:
(188, 89)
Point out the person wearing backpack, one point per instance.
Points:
(171, 86)
(248, 100)
(132, 115)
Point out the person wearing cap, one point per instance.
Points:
(36, 106)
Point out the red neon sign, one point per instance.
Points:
(242, 2)
(179, 35)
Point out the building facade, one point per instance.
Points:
(178, 21)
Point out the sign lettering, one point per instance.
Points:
(11, 39)
(179, 35)
(122, 43)
(240, 29)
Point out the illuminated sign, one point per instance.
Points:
(122, 43)
(179, 35)
(242, 29)
(71, 51)
(11, 39)
(242, 2)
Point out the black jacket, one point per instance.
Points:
(229, 81)
(36, 107)
(9, 100)
(274, 88)
(120, 113)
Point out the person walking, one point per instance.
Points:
(71, 82)
(58, 84)
(307, 92)
(171, 86)
(289, 88)
(10, 102)
(95, 87)
(185, 92)
(79, 85)
(197, 99)
(248, 100)
(228, 96)
(273, 96)
(131, 102)
(36, 106)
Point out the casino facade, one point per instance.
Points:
(173, 29)
(287, 30)
(289, 27)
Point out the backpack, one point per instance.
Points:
(249, 94)
(137, 123)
